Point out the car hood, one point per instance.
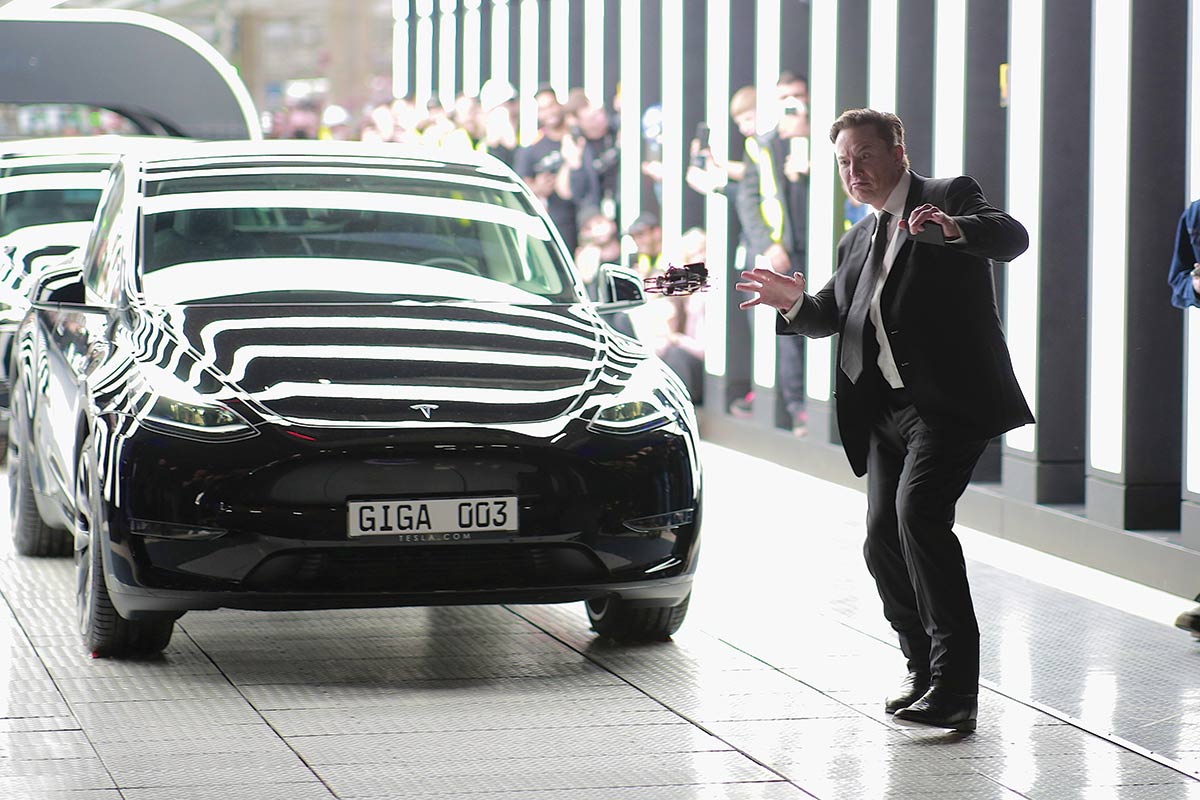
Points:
(370, 365)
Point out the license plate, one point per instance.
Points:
(459, 519)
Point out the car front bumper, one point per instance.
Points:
(263, 523)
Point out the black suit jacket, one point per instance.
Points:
(939, 309)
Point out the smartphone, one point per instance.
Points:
(701, 157)
(932, 233)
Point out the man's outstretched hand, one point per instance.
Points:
(771, 288)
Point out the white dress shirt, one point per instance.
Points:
(894, 206)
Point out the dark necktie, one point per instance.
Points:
(854, 333)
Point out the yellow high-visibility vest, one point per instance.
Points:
(770, 206)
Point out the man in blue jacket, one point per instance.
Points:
(1184, 280)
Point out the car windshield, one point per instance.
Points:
(48, 191)
(46, 207)
(293, 234)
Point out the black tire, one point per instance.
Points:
(31, 535)
(106, 634)
(615, 618)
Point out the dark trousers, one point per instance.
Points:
(915, 476)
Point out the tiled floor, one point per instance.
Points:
(773, 689)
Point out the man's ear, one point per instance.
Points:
(898, 154)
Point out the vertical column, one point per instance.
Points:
(560, 45)
(766, 72)
(612, 49)
(545, 73)
(486, 35)
(674, 139)
(652, 94)
(838, 82)
(1139, 72)
(472, 48)
(424, 53)
(914, 70)
(527, 84)
(1047, 175)
(630, 135)
(1190, 508)
(693, 58)
(400, 48)
(595, 50)
(447, 53)
(883, 30)
(578, 33)
(350, 40)
(983, 49)
(250, 55)
(501, 51)
(717, 206)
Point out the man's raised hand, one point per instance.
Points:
(771, 288)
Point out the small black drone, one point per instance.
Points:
(687, 279)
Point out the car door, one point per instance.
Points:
(75, 340)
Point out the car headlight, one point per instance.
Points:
(197, 420)
(628, 416)
(179, 410)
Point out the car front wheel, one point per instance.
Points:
(105, 632)
(615, 618)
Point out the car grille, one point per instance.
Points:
(426, 569)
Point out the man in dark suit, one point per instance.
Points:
(924, 381)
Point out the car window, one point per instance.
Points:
(99, 247)
(349, 234)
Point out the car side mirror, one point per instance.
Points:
(619, 288)
(60, 283)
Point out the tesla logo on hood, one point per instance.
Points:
(425, 408)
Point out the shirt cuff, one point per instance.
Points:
(790, 314)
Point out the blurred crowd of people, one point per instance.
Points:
(571, 166)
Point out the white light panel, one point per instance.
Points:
(1024, 178)
(822, 183)
(1108, 257)
(881, 55)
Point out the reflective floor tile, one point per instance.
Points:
(519, 774)
(203, 769)
(723, 791)
(565, 743)
(307, 790)
(44, 745)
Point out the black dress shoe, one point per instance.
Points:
(911, 689)
(939, 708)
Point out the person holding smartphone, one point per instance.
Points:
(772, 204)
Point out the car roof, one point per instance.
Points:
(107, 144)
(218, 154)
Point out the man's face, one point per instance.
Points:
(542, 184)
(600, 229)
(796, 90)
(549, 113)
(648, 240)
(746, 123)
(868, 166)
(593, 121)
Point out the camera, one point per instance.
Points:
(700, 159)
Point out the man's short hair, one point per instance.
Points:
(743, 100)
(790, 76)
(886, 124)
